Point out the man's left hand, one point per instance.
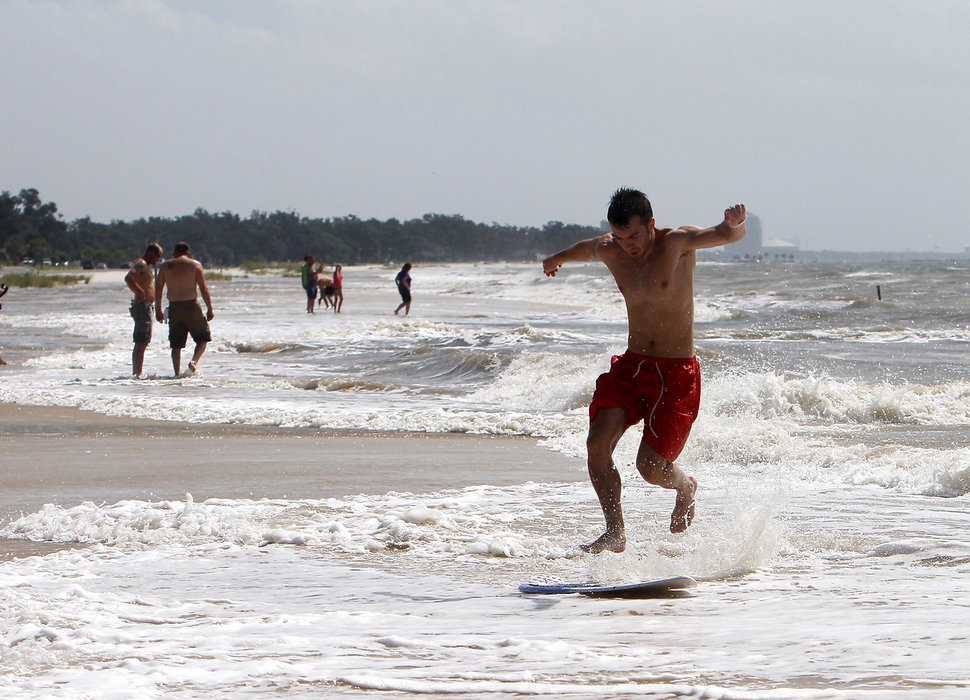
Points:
(735, 216)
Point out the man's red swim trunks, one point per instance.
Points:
(665, 392)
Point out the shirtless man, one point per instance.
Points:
(183, 275)
(141, 281)
(658, 378)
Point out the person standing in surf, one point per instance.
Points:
(3, 290)
(403, 281)
(141, 281)
(657, 379)
(338, 288)
(183, 275)
(308, 277)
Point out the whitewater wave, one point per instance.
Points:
(769, 395)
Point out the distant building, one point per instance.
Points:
(749, 247)
(753, 247)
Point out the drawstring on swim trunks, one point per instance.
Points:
(663, 386)
(638, 369)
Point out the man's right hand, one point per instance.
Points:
(551, 266)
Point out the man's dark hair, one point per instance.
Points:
(627, 203)
(182, 248)
(154, 246)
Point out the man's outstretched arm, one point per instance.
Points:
(584, 250)
(731, 230)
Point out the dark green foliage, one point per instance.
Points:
(27, 226)
(30, 228)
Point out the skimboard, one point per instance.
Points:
(674, 587)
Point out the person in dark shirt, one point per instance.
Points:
(403, 281)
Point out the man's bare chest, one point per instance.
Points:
(650, 283)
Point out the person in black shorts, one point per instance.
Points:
(403, 281)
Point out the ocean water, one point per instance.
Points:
(830, 545)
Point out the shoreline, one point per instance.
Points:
(66, 456)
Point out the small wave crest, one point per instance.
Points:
(264, 347)
(138, 522)
(468, 522)
(837, 400)
(354, 384)
(706, 311)
(928, 472)
(725, 448)
(547, 382)
(433, 362)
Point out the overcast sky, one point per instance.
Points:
(844, 124)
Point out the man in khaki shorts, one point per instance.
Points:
(183, 275)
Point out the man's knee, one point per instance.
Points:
(653, 467)
(596, 441)
(605, 430)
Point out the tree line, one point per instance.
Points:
(31, 228)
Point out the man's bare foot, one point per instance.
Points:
(683, 514)
(192, 367)
(608, 541)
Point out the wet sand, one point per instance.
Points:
(66, 456)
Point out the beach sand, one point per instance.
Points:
(67, 456)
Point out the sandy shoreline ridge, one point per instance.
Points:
(66, 456)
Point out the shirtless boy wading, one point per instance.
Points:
(657, 379)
